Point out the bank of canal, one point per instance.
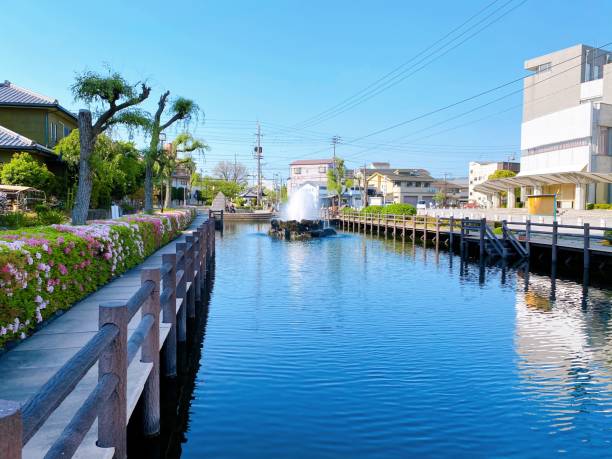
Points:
(358, 347)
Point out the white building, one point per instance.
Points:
(309, 171)
(566, 134)
(479, 173)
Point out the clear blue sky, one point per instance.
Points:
(283, 62)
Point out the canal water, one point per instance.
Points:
(360, 347)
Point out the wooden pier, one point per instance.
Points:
(70, 390)
(514, 239)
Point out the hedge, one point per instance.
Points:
(389, 209)
(49, 268)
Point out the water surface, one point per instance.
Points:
(358, 347)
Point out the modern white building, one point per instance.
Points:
(566, 134)
(479, 172)
(309, 171)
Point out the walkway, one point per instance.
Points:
(29, 365)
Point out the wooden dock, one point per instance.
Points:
(70, 389)
(515, 239)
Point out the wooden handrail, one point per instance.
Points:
(113, 351)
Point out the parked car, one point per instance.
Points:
(421, 205)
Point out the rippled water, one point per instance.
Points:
(358, 347)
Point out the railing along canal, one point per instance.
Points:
(515, 238)
(174, 291)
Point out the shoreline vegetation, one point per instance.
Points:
(47, 269)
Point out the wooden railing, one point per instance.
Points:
(518, 236)
(173, 290)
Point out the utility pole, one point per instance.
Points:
(258, 156)
(365, 187)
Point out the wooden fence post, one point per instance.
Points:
(483, 223)
(425, 228)
(11, 429)
(553, 248)
(437, 229)
(190, 294)
(197, 291)
(169, 315)
(587, 244)
(414, 217)
(181, 290)
(528, 237)
(112, 417)
(451, 222)
(150, 354)
(462, 233)
(204, 248)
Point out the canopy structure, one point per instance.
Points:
(20, 197)
(503, 184)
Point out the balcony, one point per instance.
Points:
(591, 89)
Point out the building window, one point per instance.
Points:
(66, 131)
(545, 67)
(558, 146)
(53, 133)
(322, 169)
(297, 170)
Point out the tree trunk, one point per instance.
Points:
(168, 202)
(83, 194)
(148, 187)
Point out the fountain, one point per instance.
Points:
(300, 218)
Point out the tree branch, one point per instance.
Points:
(103, 121)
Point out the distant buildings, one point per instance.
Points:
(479, 172)
(566, 134)
(455, 191)
(33, 123)
(400, 186)
(311, 171)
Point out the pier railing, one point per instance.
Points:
(515, 237)
(172, 291)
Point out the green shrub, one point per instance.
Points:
(608, 237)
(50, 217)
(498, 230)
(391, 209)
(603, 206)
(590, 206)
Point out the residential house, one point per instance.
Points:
(402, 185)
(309, 171)
(32, 122)
(456, 191)
(566, 134)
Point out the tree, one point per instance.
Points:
(24, 170)
(231, 171)
(336, 178)
(181, 109)
(501, 173)
(440, 197)
(183, 143)
(116, 167)
(114, 99)
(210, 186)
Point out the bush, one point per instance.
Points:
(391, 209)
(49, 268)
(50, 217)
(590, 206)
(603, 206)
(24, 170)
(607, 237)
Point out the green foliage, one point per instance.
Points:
(93, 87)
(184, 108)
(211, 186)
(336, 178)
(501, 173)
(43, 216)
(439, 197)
(498, 230)
(607, 237)
(391, 209)
(116, 165)
(24, 170)
(601, 206)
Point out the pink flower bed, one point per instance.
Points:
(47, 269)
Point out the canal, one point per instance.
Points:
(360, 347)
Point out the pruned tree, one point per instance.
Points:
(231, 171)
(180, 109)
(183, 143)
(114, 100)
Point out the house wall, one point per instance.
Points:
(309, 173)
(36, 124)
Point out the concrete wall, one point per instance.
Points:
(568, 124)
(557, 93)
(309, 173)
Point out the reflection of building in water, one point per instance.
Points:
(564, 350)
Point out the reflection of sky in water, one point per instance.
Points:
(565, 356)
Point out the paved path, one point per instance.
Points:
(29, 365)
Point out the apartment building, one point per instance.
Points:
(309, 171)
(479, 173)
(566, 133)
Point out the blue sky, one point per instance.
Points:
(284, 62)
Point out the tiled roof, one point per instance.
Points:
(11, 139)
(12, 94)
(395, 173)
(308, 162)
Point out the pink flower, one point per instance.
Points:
(62, 269)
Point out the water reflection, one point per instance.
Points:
(565, 353)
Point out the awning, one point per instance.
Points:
(497, 185)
